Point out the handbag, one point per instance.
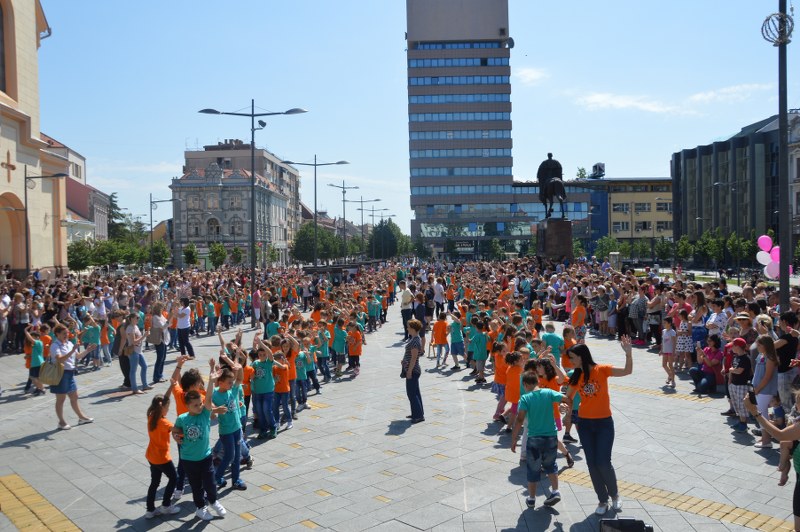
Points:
(50, 373)
(156, 336)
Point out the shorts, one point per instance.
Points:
(541, 456)
(667, 354)
(602, 315)
(34, 372)
(499, 390)
(457, 348)
(66, 384)
(480, 365)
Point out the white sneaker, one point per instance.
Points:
(150, 515)
(616, 504)
(177, 495)
(219, 509)
(203, 514)
(169, 510)
(602, 508)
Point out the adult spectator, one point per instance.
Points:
(62, 351)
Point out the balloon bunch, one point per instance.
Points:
(770, 257)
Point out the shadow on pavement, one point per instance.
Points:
(398, 427)
(25, 441)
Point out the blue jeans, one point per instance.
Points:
(597, 439)
(324, 368)
(301, 389)
(212, 325)
(704, 382)
(183, 342)
(173, 339)
(439, 349)
(541, 456)
(137, 360)
(415, 397)
(262, 406)
(161, 357)
(293, 396)
(232, 455)
(281, 399)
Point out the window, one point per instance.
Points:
(76, 170)
(618, 188)
(235, 202)
(642, 207)
(194, 202)
(620, 226)
(213, 202)
(194, 229)
(660, 188)
(664, 207)
(643, 226)
(213, 228)
(639, 188)
(620, 207)
(237, 228)
(457, 80)
(663, 226)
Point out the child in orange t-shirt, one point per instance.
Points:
(568, 333)
(157, 454)
(499, 351)
(440, 338)
(280, 372)
(354, 345)
(515, 362)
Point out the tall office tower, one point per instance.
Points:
(459, 121)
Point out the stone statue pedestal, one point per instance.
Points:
(554, 238)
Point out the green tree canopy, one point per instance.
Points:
(217, 254)
(606, 245)
(684, 248)
(160, 253)
(79, 255)
(190, 256)
(237, 255)
(663, 249)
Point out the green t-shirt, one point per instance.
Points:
(555, 342)
(37, 354)
(539, 407)
(91, 335)
(263, 381)
(310, 365)
(576, 401)
(229, 422)
(272, 328)
(196, 444)
(324, 338)
(455, 332)
(300, 365)
(477, 345)
(226, 308)
(339, 340)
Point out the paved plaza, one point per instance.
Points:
(353, 462)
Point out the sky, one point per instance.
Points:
(626, 83)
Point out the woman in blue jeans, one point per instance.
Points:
(595, 424)
(411, 370)
(134, 339)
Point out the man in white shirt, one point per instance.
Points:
(406, 298)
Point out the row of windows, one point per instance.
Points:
(641, 226)
(454, 45)
(458, 80)
(498, 208)
(458, 62)
(461, 171)
(487, 152)
(642, 207)
(459, 98)
(213, 202)
(461, 135)
(483, 189)
(457, 117)
(639, 188)
(475, 229)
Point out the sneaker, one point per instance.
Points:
(150, 515)
(263, 435)
(568, 438)
(553, 499)
(221, 484)
(177, 495)
(760, 445)
(86, 421)
(169, 510)
(294, 416)
(601, 509)
(530, 502)
(203, 514)
(273, 434)
(289, 425)
(239, 485)
(219, 509)
(64, 427)
(755, 432)
(249, 462)
(616, 504)
(740, 427)
(729, 412)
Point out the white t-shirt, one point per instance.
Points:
(668, 341)
(184, 318)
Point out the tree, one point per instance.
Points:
(384, 240)
(710, 246)
(663, 249)
(496, 250)
(683, 248)
(237, 255)
(605, 246)
(106, 252)
(450, 247)
(160, 253)
(641, 248)
(79, 255)
(581, 173)
(625, 250)
(272, 254)
(577, 248)
(190, 257)
(116, 226)
(217, 254)
(736, 247)
(421, 249)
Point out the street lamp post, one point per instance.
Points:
(362, 201)
(31, 183)
(315, 164)
(153, 206)
(344, 190)
(373, 210)
(253, 115)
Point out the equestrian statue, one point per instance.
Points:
(551, 187)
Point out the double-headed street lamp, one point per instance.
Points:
(362, 201)
(153, 206)
(344, 190)
(315, 164)
(253, 115)
(30, 182)
(372, 211)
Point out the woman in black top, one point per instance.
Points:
(411, 371)
(786, 347)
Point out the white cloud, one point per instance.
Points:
(732, 94)
(606, 100)
(529, 76)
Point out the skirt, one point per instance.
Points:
(67, 383)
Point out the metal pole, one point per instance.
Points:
(315, 209)
(362, 225)
(253, 323)
(785, 236)
(151, 232)
(373, 231)
(27, 229)
(344, 222)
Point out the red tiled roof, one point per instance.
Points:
(227, 173)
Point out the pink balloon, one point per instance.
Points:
(775, 254)
(773, 270)
(791, 270)
(764, 243)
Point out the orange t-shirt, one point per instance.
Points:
(158, 448)
(440, 332)
(354, 342)
(595, 402)
(492, 339)
(290, 359)
(500, 369)
(323, 295)
(513, 383)
(28, 350)
(451, 293)
(104, 335)
(579, 316)
(46, 341)
(217, 308)
(234, 304)
(316, 316)
(565, 363)
(248, 376)
(281, 378)
(537, 315)
(199, 307)
(180, 402)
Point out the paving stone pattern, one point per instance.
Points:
(353, 461)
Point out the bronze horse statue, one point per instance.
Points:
(551, 187)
